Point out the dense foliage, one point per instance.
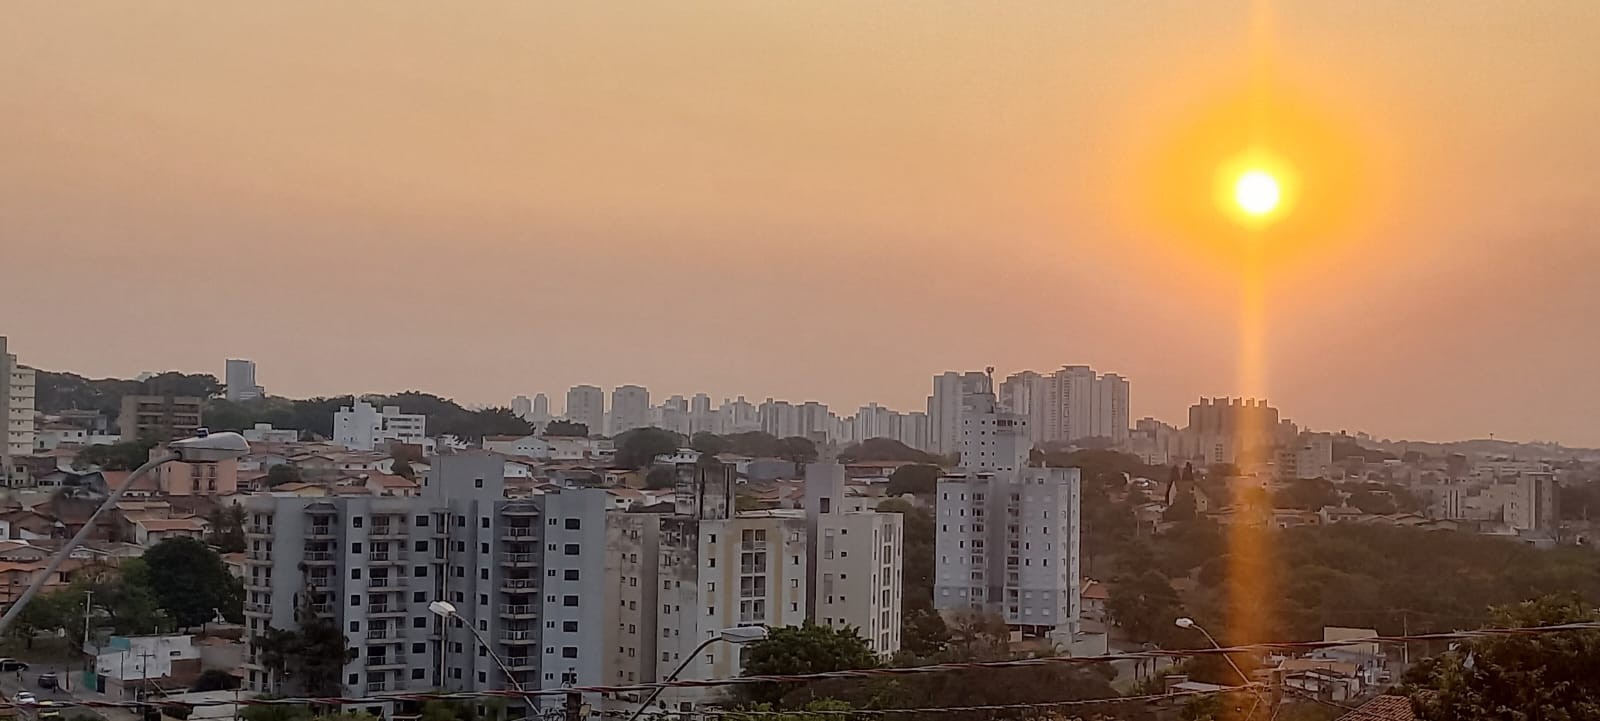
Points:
(191, 582)
(885, 449)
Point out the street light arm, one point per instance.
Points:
(88, 527)
(497, 660)
(673, 676)
(1243, 678)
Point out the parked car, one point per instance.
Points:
(11, 664)
(49, 680)
(26, 698)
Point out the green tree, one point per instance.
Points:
(281, 474)
(803, 649)
(917, 551)
(919, 479)
(1144, 606)
(884, 449)
(797, 450)
(923, 634)
(755, 444)
(402, 468)
(1536, 676)
(1307, 494)
(215, 679)
(310, 658)
(192, 583)
(709, 443)
(47, 612)
(661, 477)
(566, 428)
(639, 447)
(227, 529)
(122, 456)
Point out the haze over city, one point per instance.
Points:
(804, 202)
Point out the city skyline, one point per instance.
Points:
(927, 188)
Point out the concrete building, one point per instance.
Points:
(362, 427)
(779, 418)
(1007, 540)
(159, 417)
(265, 433)
(945, 406)
(1534, 503)
(16, 412)
(522, 407)
(1222, 429)
(630, 408)
(240, 377)
(853, 562)
(528, 574)
(587, 405)
(738, 416)
(177, 478)
(1154, 442)
(914, 430)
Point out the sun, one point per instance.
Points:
(1257, 192)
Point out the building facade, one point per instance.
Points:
(630, 408)
(528, 574)
(363, 427)
(240, 377)
(587, 405)
(16, 412)
(159, 417)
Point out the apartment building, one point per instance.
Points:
(853, 562)
(1007, 540)
(159, 417)
(630, 409)
(16, 413)
(363, 427)
(587, 405)
(240, 377)
(528, 574)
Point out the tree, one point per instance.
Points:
(281, 474)
(562, 427)
(47, 612)
(755, 444)
(310, 658)
(919, 479)
(1308, 495)
(917, 549)
(803, 649)
(1144, 605)
(227, 529)
(884, 449)
(215, 679)
(709, 443)
(797, 450)
(122, 456)
(923, 633)
(1542, 676)
(192, 583)
(402, 468)
(639, 447)
(661, 477)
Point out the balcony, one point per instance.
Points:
(519, 638)
(322, 609)
(319, 557)
(392, 532)
(384, 635)
(397, 660)
(258, 530)
(753, 545)
(518, 533)
(257, 609)
(319, 532)
(518, 610)
(386, 557)
(258, 583)
(386, 609)
(382, 582)
(258, 556)
(521, 510)
(522, 663)
(519, 585)
(519, 560)
(377, 686)
(321, 583)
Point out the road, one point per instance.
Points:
(72, 676)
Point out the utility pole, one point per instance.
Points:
(572, 709)
(1274, 693)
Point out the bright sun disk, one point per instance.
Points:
(1256, 192)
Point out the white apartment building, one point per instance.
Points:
(853, 562)
(1008, 534)
(240, 377)
(265, 433)
(914, 430)
(587, 405)
(630, 409)
(1311, 456)
(779, 418)
(1533, 503)
(737, 416)
(1071, 404)
(522, 407)
(702, 417)
(945, 406)
(16, 410)
(362, 427)
(672, 415)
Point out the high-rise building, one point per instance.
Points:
(522, 407)
(914, 430)
(1007, 536)
(528, 574)
(945, 405)
(672, 415)
(702, 417)
(541, 408)
(16, 412)
(1025, 394)
(630, 408)
(587, 405)
(1222, 429)
(853, 562)
(738, 416)
(362, 427)
(779, 418)
(1534, 503)
(240, 377)
(159, 417)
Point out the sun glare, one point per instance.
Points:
(1256, 192)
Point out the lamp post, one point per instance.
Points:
(447, 611)
(1186, 622)
(737, 635)
(204, 448)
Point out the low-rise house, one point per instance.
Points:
(149, 532)
(386, 484)
(1094, 596)
(131, 666)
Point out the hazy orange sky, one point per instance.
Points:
(825, 201)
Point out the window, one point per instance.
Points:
(417, 674)
(419, 622)
(461, 521)
(355, 548)
(355, 626)
(711, 586)
(355, 600)
(460, 572)
(419, 648)
(420, 546)
(572, 524)
(570, 574)
(571, 549)
(420, 571)
(422, 522)
(569, 601)
(461, 546)
(483, 574)
(713, 538)
(355, 521)
(418, 596)
(569, 626)
(483, 599)
(355, 574)
(483, 548)
(354, 679)
(477, 483)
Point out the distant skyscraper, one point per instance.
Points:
(587, 405)
(521, 407)
(541, 408)
(16, 415)
(630, 408)
(240, 377)
(944, 407)
(738, 416)
(702, 417)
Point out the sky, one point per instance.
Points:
(827, 201)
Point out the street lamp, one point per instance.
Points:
(1186, 622)
(203, 448)
(447, 610)
(738, 635)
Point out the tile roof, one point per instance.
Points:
(173, 524)
(1383, 708)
